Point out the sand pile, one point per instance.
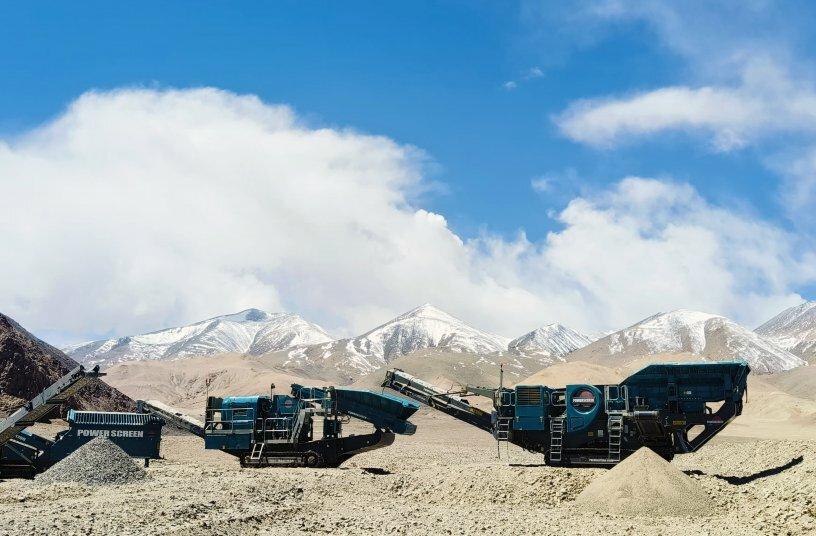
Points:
(644, 484)
(97, 463)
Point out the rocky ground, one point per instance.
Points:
(444, 480)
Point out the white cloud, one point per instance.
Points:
(560, 183)
(648, 245)
(748, 83)
(766, 103)
(606, 122)
(140, 209)
(529, 74)
(798, 192)
(533, 72)
(541, 184)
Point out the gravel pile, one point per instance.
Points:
(644, 484)
(99, 462)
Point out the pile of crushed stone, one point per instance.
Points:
(99, 462)
(644, 484)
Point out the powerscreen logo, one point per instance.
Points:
(583, 400)
(110, 433)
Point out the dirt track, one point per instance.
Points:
(444, 480)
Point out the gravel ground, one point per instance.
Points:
(444, 480)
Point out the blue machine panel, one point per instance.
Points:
(532, 404)
(230, 421)
(138, 434)
(584, 402)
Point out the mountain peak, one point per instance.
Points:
(792, 317)
(549, 328)
(548, 343)
(426, 310)
(794, 329)
(425, 326)
(248, 315)
(701, 334)
(687, 315)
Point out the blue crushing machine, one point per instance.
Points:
(25, 454)
(283, 429)
(672, 408)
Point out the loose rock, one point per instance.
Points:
(99, 462)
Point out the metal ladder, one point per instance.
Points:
(257, 451)
(505, 400)
(556, 438)
(503, 428)
(614, 426)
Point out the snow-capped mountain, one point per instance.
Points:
(252, 331)
(549, 343)
(794, 329)
(421, 328)
(710, 336)
(425, 327)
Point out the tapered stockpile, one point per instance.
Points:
(96, 463)
(644, 484)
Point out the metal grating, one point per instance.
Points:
(528, 396)
(115, 418)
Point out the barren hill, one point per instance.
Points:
(184, 383)
(29, 365)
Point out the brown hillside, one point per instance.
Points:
(29, 365)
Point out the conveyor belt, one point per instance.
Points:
(173, 417)
(44, 403)
(450, 403)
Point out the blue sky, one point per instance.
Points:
(429, 74)
(492, 93)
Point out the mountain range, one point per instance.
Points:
(691, 332)
(295, 345)
(429, 328)
(251, 331)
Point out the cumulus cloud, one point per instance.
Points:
(651, 245)
(748, 83)
(140, 209)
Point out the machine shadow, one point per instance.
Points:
(377, 471)
(740, 480)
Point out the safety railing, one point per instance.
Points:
(274, 428)
(229, 421)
